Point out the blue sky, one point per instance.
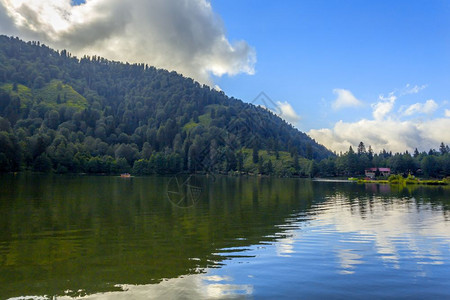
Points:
(306, 49)
(342, 71)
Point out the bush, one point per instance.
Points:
(395, 179)
(411, 180)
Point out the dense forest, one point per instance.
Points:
(60, 113)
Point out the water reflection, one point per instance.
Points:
(110, 238)
(184, 287)
(397, 232)
(404, 229)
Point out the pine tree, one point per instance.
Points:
(370, 153)
(255, 153)
(296, 162)
(240, 161)
(361, 148)
(442, 149)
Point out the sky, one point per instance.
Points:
(343, 71)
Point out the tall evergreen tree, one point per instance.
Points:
(361, 148)
(442, 149)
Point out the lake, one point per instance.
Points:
(210, 237)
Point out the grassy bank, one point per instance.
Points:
(410, 180)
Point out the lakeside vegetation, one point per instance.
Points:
(402, 181)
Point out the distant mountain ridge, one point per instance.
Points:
(89, 114)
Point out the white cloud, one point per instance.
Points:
(425, 108)
(447, 113)
(345, 98)
(412, 90)
(287, 112)
(387, 130)
(393, 135)
(384, 106)
(182, 35)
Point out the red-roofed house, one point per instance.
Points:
(370, 172)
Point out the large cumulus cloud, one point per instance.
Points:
(390, 129)
(393, 135)
(182, 35)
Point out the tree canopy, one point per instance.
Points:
(68, 114)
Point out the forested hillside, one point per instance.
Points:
(67, 114)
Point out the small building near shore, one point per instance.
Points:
(371, 172)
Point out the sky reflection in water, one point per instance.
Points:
(388, 237)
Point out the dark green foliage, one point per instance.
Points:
(429, 166)
(255, 154)
(296, 162)
(269, 167)
(42, 163)
(10, 152)
(443, 148)
(361, 148)
(312, 169)
(240, 161)
(62, 113)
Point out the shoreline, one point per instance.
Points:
(397, 180)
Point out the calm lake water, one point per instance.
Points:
(213, 238)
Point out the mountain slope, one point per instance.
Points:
(94, 115)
